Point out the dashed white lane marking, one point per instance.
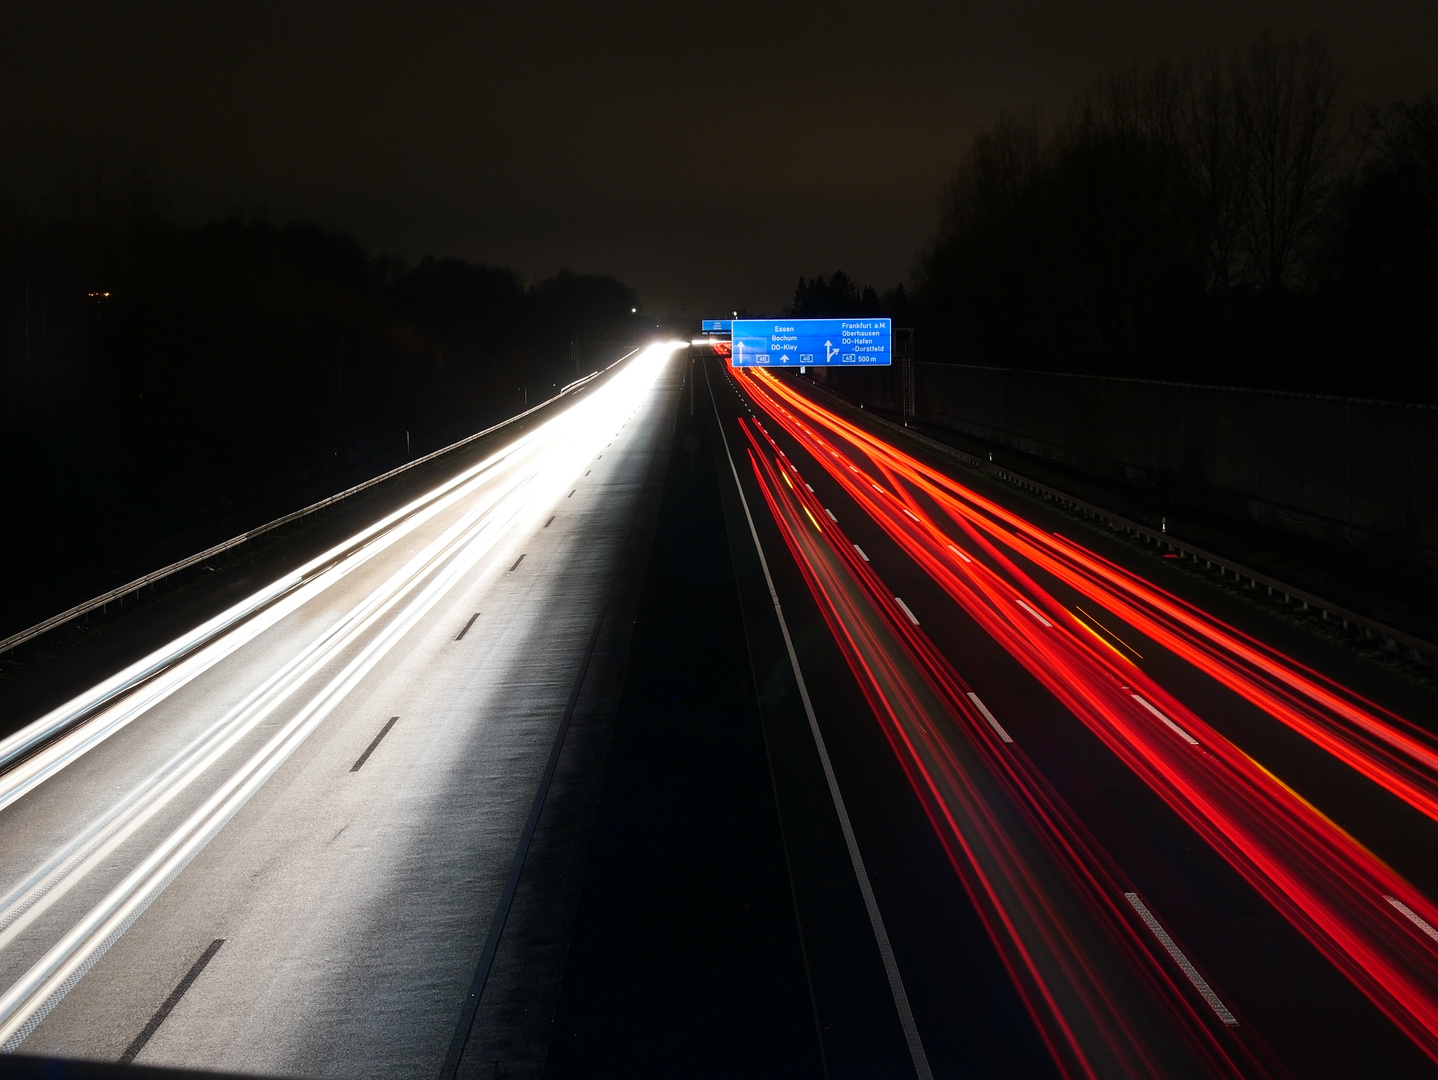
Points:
(960, 554)
(998, 727)
(910, 513)
(1185, 736)
(861, 553)
(1035, 614)
(810, 487)
(1199, 982)
(912, 617)
(831, 515)
(1413, 917)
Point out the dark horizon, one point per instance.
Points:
(541, 139)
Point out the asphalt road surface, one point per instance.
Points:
(281, 850)
(1189, 853)
(709, 728)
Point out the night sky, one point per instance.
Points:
(707, 154)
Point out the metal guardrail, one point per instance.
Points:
(1394, 640)
(139, 583)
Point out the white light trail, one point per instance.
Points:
(508, 492)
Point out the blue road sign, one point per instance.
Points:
(816, 342)
(716, 326)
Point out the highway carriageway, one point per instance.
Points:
(713, 729)
(284, 846)
(1102, 811)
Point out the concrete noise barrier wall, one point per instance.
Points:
(1341, 468)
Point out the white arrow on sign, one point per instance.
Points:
(829, 351)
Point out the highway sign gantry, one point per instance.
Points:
(812, 342)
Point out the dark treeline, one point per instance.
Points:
(163, 386)
(1210, 220)
(839, 295)
(108, 310)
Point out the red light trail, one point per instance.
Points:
(1051, 901)
(1360, 914)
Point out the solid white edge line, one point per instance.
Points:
(861, 553)
(998, 727)
(1199, 982)
(1413, 916)
(876, 920)
(912, 617)
(1185, 736)
(1036, 615)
